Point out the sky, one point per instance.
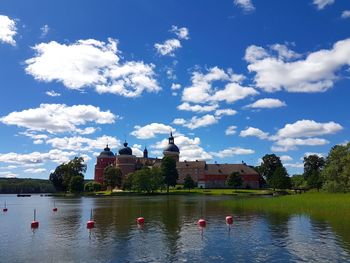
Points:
(232, 79)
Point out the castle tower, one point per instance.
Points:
(145, 153)
(172, 150)
(105, 158)
(125, 161)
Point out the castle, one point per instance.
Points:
(205, 175)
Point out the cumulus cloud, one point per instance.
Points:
(286, 158)
(246, 5)
(267, 103)
(7, 30)
(312, 153)
(83, 144)
(202, 90)
(197, 108)
(294, 165)
(56, 118)
(175, 86)
(151, 130)
(189, 147)
(35, 170)
(287, 144)
(91, 63)
(231, 130)
(255, 132)
(55, 155)
(182, 32)
(52, 93)
(197, 122)
(320, 4)
(308, 128)
(225, 112)
(315, 73)
(8, 174)
(168, 47)
(229, 152)
(345, 14)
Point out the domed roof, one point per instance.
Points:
(106, 152)
(126, 150)
(171, 147)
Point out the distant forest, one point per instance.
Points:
(27, 185)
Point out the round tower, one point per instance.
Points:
(125, 161)
(172, 150)
(105, 158)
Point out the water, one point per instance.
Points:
(170, 233)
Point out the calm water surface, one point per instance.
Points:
(170, 233)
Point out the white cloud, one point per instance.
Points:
(55, 155)
(308, 128)
(320, 4)
(82, 144)
(315, 73)
(8, 174)
(9, 167)
(151, 130)
(251, 131)
(197, 122)
(229, 152)
(286, 158)
(287, 144)
(294, 165)
(91, 63)
(197, 108)
(231, 130)
(182, 32)
(7, 30)
(202, 90)
(246, 5)
(35, 170)
(168, 47)
(311, 153)
(223, 112)
(190, 149)
(44, 31)
(55, 118)
(52, 93)
(137, 150)
(345, 14)
(268, 103)
(175, 86)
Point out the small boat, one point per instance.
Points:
(24, 195)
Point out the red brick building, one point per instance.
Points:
(204, 174)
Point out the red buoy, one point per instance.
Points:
(229, 220)
(34, 224)
(91, 223)
(140, 220)
(202, 223)
(54, 207)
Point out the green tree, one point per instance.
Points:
(92, 187)
(313, 166)
(112, 177)
(169, 172)
(234, 180)
(144, 180)
(270, 162)
(298, 181)
(188, 183)
(128, 182)
(76, 184)
(61, 177)
(280, 179)
(336, 173)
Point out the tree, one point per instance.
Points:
(144, 180)
(188, 183)
(336, 173)
(234, 180)
(298, 181)
(280, 179)
(112, 177)
(61, 177)
(76, 184)
(268, 167)
(169, 172)
(313, 166)
(92, 187)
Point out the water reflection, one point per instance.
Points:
(170, 233)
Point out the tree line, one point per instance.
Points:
(25, 185)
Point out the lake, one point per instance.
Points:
(170, 232)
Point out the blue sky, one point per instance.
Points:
(233, 79)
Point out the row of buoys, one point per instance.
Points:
(202, 223)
